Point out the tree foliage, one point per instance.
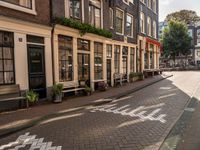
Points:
(176, 40)
(186, 16)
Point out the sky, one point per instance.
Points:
(168, 6)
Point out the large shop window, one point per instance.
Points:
(95, 13)
(7, 74)
(75, 9)
(116, 58)
(98, 61)
(23, 3)
(83, 45)
(119, 21)
(132, 58)
(65, 58)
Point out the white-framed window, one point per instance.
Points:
(142, 1)
(149, 26)
(128, 1)
(149, 2)
(154, 29)
(198, 53)
(154, 6)
(129, 25)
(111, 18)
(95, 13)
(27, 6)
(142, 22)
(75, 9)
(119, 21)
(190, 33)
(198, 33)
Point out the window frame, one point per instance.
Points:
(97, 65)
(93, 7)
(149, 26)
(20, 8)
(111, 13)
(73, 8)
(61, 60)
(142, 22)
(132, 22)
(132, 59)
(11, 46)
(117, 58)
(117, 9)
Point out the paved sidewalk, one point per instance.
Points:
(191, 135)
(16, 120)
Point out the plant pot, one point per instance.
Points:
(58, 98)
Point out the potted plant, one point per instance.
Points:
(141, 76)
(88, 90)
(57, 92)
(131, 77)
(32, 97)
(102, 86)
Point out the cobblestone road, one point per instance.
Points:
(138, 121)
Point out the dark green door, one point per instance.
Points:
(109, 72)
(36, 68)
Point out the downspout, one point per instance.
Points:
(52, 52)
(52, 40)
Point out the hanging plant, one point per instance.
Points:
(83, 27)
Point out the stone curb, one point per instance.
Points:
(6, 132)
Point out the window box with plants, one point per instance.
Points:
(135, 76)
(83, 27)
(57, 92)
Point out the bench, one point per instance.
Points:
(120, 78)
(73, 87)
(12, 93)
(152, 72)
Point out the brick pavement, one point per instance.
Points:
(115, 128)
(18, 118)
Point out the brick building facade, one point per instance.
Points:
(46, 52)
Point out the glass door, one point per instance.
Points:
(124, 61)
(84, 68)
(36, 68)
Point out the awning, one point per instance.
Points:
(152, 41)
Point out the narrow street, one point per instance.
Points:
(139, 121)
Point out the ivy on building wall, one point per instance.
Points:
(83, 27)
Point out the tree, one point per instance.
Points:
(176, 40)
(186, 16)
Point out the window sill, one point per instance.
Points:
(19, 8)
(119, 33)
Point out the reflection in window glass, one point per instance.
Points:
(6, 58)
(95, 13)
(98, 61)
(75, 9)
(119, 21)
(116, 58)
(65, 58)
(132, 51)
(129, 25)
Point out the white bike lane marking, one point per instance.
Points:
(140, 112)
(27, 139)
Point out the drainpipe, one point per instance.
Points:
(52, 51)
(52, 39)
